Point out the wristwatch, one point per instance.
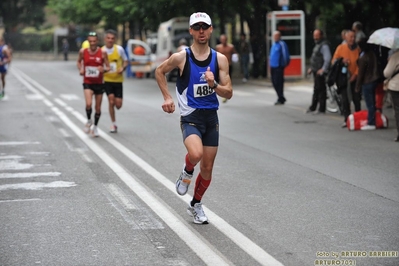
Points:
(215, 84)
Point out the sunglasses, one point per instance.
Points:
(203, 26)
(92, 33)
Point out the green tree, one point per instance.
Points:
(22, 13)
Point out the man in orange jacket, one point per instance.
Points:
(350, 53)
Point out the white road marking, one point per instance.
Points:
(37, 85)
(236, 236)
(69, 97)
(266, 91)
(34, 97)
(306, 89)
(52, 119)
(37, 185)
(83, 153)
(28, 175)
(14, 165)
(243, 93)
(15, 143)
(64, 133)
(199, 245)
(120, 196)
(9, 157)
(60, 102)
(45, 153)
(19, 200)
(131, 211)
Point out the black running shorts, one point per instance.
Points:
(204, 123)
(96, 88)
(114, 88)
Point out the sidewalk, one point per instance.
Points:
(308, 82)
(266, 82)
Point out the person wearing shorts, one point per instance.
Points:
(5, 59)
(91, 63)
(113, 80)
(201, 69)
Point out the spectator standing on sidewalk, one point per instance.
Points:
(391, 72)
(182, 45)
(228, 50)
(279, 59)
(244, 49)
(343, 33)
(349, 51)
(65, 48)
(367, 80)
(357, 27)
(319, 65)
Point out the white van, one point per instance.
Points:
(169, 34)
(139, 63)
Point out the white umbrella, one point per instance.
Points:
(388, 37)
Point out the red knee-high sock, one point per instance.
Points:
(201, 185)
(189, 165)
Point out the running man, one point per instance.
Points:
(114, 78)
(200, 71)
(5, 59)
(91, 63)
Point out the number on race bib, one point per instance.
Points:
(92, 72)
(112, 66)
(202, 90)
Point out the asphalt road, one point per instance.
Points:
(289, 188)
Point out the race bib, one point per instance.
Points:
(202, 90)
(92, 72)
(113, 67)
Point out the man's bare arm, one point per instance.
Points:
(106, 62)
(175, 60)
(224, 89)
(79, 62)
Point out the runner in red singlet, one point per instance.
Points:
(91, 63)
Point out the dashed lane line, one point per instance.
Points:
(202, 248)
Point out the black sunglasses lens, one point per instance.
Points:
(199, 26)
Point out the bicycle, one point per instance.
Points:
(334, 100)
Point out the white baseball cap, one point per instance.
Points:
(200, 17)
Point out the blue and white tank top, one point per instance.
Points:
(192, 90)
(2, 56)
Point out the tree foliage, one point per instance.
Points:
(25, 12)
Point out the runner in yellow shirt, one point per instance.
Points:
(113, 79)
(85, 44)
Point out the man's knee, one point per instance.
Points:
(195, 155)
(118, 103)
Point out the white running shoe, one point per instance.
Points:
(86, 129)
(368, 127)
(183, 182)
(94, 131)
(114, 129)
(197, 213)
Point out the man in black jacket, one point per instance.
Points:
(319, 65)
